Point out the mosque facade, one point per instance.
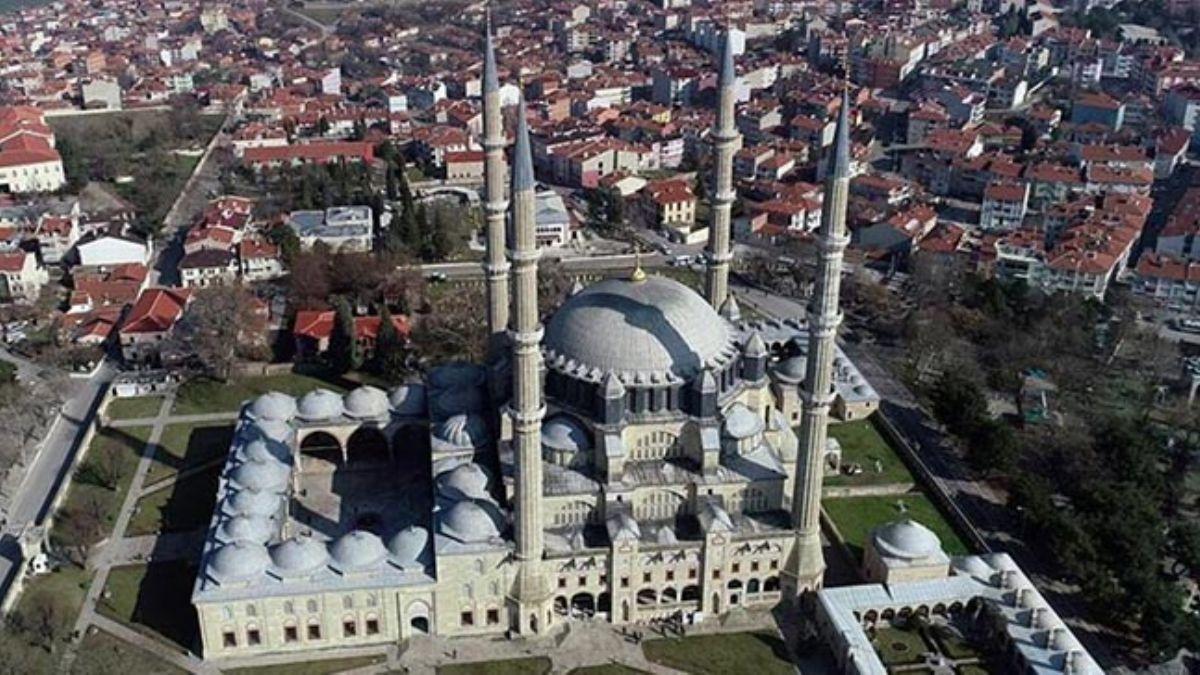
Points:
(634, 457)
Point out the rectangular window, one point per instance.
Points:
(467, 619)
(493, 617)
(349, 629)
(737, 567)
(562, 582)
(372, 626)
(624, 582)
(230, 639)
(754, 566)
(774, 564)
(716, 574)
(692, 573)
(290, 634)
(314, 631)
(646, 577)
(253, 638)
(583, 581)
(670, 575)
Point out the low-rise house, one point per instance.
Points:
(465, 165)
(313, 328)
(108, 251)
(29, 161)
(552, 220)
(259, 260)
(323, 152)
(1172, 283)
(1004, 206)
(1098, 108)
(21, 277)
(56, 235)
(342, 228)
(150, 322)
(208, 267)
(669, 204)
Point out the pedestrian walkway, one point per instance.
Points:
(167, 419)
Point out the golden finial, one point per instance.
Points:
(638, 275)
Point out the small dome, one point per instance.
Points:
(298, 556)
(408, 545)
(274, 406)
(463, 431)
(622, 527)
(366, 402)
(466, 481)
(714, 518)
(275, 430)
(791, 368)
(862, 390)
(974, 566)
(408, 400)
(741, 422)
(459, 400)
(320, 404)
(258, 529)
(457, 375)
(264, 450)
(562, 432)
(239, 560)
(261, 475)
(357, 549)
(666, 536)
(906, 539)
(250, 502)
(468, 522)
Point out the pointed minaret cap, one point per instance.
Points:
(491, 81)
(728, 72)
(755, 347)
(841, 142)
(707, 382)
(522, 175)
(612, 386)
(730, 309)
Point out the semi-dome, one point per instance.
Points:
(408, 545)
(653, 326)
(274, 405)
(906, 539)
(357, 549)
(463, 431)
(408, 400)
(252, 503)
(366, 402)
(320, 404)
(468, 522)
(299, 555)
(791, 368)
(466, 481)
(258, 529)
(741, 422)
(562, 432)
(264, 450)
(265, 475)
(239, 560)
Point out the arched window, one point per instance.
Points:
(347, 602)
(251, 610)
(312, 605)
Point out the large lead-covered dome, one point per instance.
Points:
(652, 326)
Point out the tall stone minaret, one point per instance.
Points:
(725, 141)
(495, 266)
(806, 566)
(531, 590)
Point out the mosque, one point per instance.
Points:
(634, 458)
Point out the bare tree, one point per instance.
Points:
(216, 323)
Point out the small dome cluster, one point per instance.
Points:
(466, 510)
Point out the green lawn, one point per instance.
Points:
(608, 669)
(154, 599)
(89, 511)
(898, 647)
(855, 517)
(183, 446)
(184, 506)
(759, 653)
(534, 666)
(322, 667)
(136, 407)
(56, 596)
(208, 396)
(862, 444)
(103, 654)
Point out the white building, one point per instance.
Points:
(109, 251)
(342, 228)
(21, 277)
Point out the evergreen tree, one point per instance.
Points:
(344, 352)
(390, 354)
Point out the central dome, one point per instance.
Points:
(657, 325)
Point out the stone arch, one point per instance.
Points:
(604, 603)
(560, 604)
(888, 614)
(368, 445)
(668, 596)
(923, 610)
(417, 614)
(716, 603)
(690, 593)
(939, 609)
(771, 585)
(871, 616)
(955, 607)
(320, 451)
(647, 596)
(583, 603)
(753, 586)
(659, 505)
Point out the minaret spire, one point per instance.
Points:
(495, 266)
(725, 141)
(531, 591)
(806, 565)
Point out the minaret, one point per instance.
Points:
(725, 141)
(531, 592)
(806, 566)
(495, 266)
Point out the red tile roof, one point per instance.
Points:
(157, 310)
